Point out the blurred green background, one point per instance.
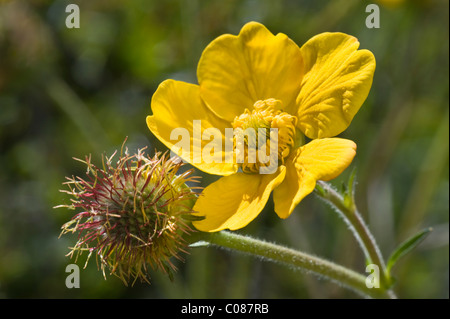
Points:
(71, 92)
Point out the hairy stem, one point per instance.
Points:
(348, 210)
(291, 257)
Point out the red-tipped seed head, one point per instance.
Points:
(134, 214)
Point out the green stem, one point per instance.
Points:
(347, 208)
(291, 257)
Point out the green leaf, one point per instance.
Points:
(349, 189)
(319, 190)
(406, 247)
(352, 182)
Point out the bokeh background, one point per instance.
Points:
(71, 92)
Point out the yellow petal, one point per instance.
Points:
(322, 159)
(176, 105)
(234, 201)
(236, 71)
(337, 81)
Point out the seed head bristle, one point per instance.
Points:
(134, 214)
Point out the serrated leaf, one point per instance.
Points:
(406, 247)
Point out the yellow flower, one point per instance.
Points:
(260, 80)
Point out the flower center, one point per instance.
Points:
(254, 131)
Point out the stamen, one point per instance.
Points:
(252, 132)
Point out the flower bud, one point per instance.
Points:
(134, 214)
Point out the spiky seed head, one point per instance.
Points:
(134, 214)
